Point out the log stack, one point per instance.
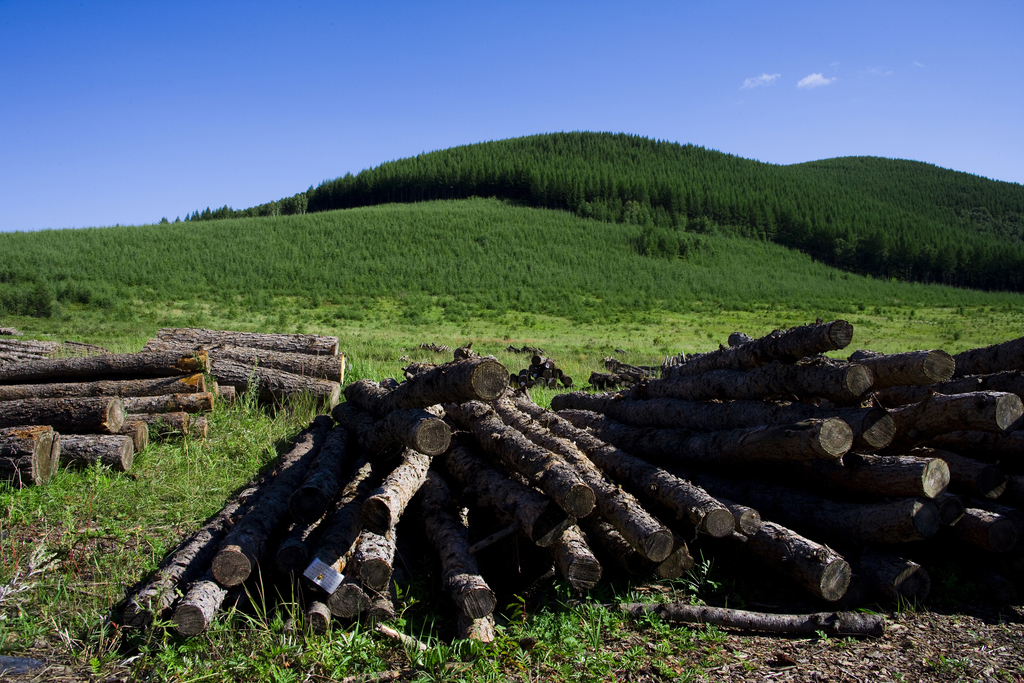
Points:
(542, 371)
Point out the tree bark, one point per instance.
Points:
(447, 533)
(328, 367)
(1005, 450)
(374, 556)
(682, 497)
(157, 386)
(787, 346)
(831, 623)
(481, 378)
(989, 359)
(747, 519)
(309, 500)
(575, 560)
(104, 415)
(382, 607)
(652, 539)
(106, 366)
(542, 467)
(986, 530)
(969, 476)
(894, 577)
(349, 600)
(912, 368)
(536, 516)
(318, 616)
(162, 425)
(604, 537)
(898, 476)
(170, 403)
(195, 611)
(245, 545)
(951, 508)
(226, 393)
(988, 411)
(676, 564)
(275, 385)
(25, 455)
(382, 510)
(310, 344)
(139, 433)
(116, 452)
(411, 427)
(342, 524)
(475, 629)
(825, 439)
(872, 427)
(292, 556)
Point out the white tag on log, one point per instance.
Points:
(324, 575)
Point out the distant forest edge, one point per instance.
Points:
(888, 218)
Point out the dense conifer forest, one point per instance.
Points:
(889, 218)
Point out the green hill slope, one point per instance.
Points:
(444, 260)
(890, 218)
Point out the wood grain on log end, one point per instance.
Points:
(318, 616)
(580, 500)
(375, 573)
(835, 437)
(432, 437)
(659, 545)
(677, 563)
(840, 334)
(913, 583)
(878, 429)
(935, 478)
(489, 380)
(27, 452)
(477, 602)
(835, 579)
(231, 566)
(1008, 410)
(938, 366)
(139, 433)
(858, 379)
(349, 601)
(926, 518)
(718, 523)
(189, 620)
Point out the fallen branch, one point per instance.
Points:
(831, 623)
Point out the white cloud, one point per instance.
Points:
(763, 79)
(814, 80)
(919, 64)
(880, 72)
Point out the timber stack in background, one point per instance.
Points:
(543, 371)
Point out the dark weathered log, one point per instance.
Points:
(103, 415)
(1014, 493)
(840, 383)
(288, 343)
(787, 346)
(892, 576)
(535, 515)
(342, 525)
(968, 476)
(809, 440)
(309, 501)
(318, 616)
(618, 507)
(498, 535)
(475, 629)
(139, 433)
(544, 469)
(349, 600)
(1006, 450)
(872, 427)
(989, 359)
(195, 611)
(989, 411)
(107, 366)
(748, 520)
(382, 606)
(737, 338)
(575, 560)
(116, 452)
(481, 378)
(413, 428)
(951, 508)
(611, 545)
(910, 368)
(245, 545)
(329, 367)
(162, 425)
(170, 403)
(896, 521)
(830, 623)
(986, 530)
(25, 455)
(683, 498)
(678, 562)
(447, 533)
(374, 556)
(157, 386)
(293, 552)
(275, 385)
(385, 506)
(817, 568)
(906, 476)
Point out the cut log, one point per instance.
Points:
(894, 577)
(840, 383)
(139, 433)
(349, 600)
(951, 508)
(446, 531)
(293, 553)
(830, 623)
(195, 611)
(116, 452)
(575, 560)
(162, 425)
(197, 426)
(652, 539)
(275, 385)
(989, 359)
(611, 545)
(245, 545)
(170, 403)
(1006, 450)
(318, 616)
(748, 520)
(226, 393)
(481, 378)
(311, 344)
(809, 440)
(787, 346)
(685, 500)
(103, 415)
(413, 428)
(329, 367)
(157, 386)
(342, 524)
(540, 466)
(817, 568)
(872, 427)
(677, 563)
(900, 476)
(906, 369)
(989, 411)
(25, 455)
(107, 366)
(986, 530)
(385, 506)
(968, 476)
(10, 331)
(382, 607)
(309, 501)
(374, 556)
(535, 515)
(475, 629)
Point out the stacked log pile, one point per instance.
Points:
(621, 374)
(278, 366)
(542, 371)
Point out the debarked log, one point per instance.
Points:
(313, 344)
(116, 452)
(25, 454)
(275, 385)
(906, 369)
(385, 506)
(413, 428)
(103, 415)
(157, 386)
(830, 623)
(106, 366)
(170, 403)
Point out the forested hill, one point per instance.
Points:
(885, 217)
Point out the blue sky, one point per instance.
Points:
(127, 112)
